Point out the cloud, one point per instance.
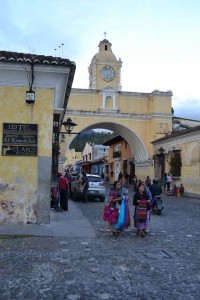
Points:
(187, 108)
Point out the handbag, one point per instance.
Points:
(114, 213)
(110, 214)
(106, 213)
(142, 211)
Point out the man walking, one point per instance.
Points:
(69, 179)
(63, 190)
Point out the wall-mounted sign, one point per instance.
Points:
(19, 150)
(20, 139)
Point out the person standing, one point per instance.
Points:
(142, 206)
(63, 190)
(85, 184)
(181, 189)
(135, 181)
(120, 176)
(69, 179)
(119, 210)
(148, 182)
(164, 181)
(115, 200)
(126, 178)
(169, 181)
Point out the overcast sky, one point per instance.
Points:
(157, 40)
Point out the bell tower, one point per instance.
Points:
(105, 69)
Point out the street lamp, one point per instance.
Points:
(161, 150)
(69, 126)
(162, 161)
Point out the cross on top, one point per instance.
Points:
(105, 35)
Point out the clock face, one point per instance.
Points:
(107, 73)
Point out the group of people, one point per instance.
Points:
(126, 176)
(118, 216)
(143, 201)
(63, 191)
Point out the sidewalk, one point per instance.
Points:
(71, 223)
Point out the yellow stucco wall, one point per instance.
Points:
(148, 116)
(189, 147)
(190, 171)
(19, 174)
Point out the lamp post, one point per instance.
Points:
(161, 150)
(69, 126)
(162, 162)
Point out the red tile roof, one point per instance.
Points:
(6, 56)
(15, 57)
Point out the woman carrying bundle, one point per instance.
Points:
(118, 213)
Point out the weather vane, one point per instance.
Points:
(105, 35)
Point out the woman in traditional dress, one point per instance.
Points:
(114, 201)
(142, 207)
(119, 212)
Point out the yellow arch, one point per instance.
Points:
(138, 147)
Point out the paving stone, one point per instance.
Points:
(163, 266)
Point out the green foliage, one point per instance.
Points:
(175, 165)
(90, 136)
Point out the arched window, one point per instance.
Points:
(106, 47)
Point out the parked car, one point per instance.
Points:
(96, 187)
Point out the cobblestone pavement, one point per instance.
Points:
(164, 265)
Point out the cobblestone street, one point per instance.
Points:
(164, 265)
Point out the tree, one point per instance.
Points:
(90, 136)
(176, 164)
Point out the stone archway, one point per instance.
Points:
(136, 144)
(141, 156)
(140, 118)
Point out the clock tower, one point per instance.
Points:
(105, 69)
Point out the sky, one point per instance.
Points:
(158, 41)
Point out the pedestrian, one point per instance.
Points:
(69, 179)
(182, 189)
(126, 179)
(85, 183)
(148, 182)
(118, 205)
(164, 181)
(142, 207)
(120, 176)
(63, 191)
(169, 180)
(149, 194)
(156, 190)
(134, 183)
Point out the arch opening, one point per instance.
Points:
(137, 146)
